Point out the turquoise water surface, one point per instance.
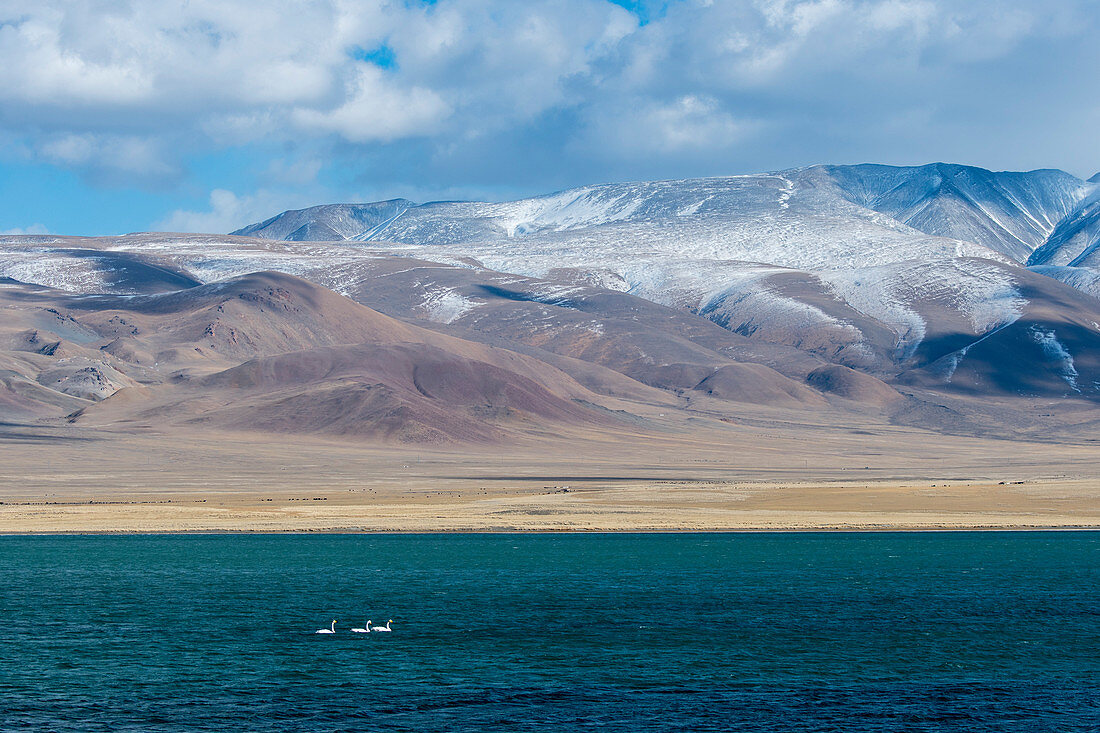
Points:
(738, 632)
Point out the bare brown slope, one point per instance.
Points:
(758, 384)
(270, 313)
(663, 347)
(263, 313)
(407, 391)
(853, 385)
(49, 362)
(316, 362)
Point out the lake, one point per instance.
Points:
(978, 631)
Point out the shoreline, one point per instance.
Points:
(79, 481)
(471, 507)
(985, 529)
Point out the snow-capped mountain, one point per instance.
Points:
(329, 223)
(766, 289)
(785, 256)
(1011, 213)
(1075, 242)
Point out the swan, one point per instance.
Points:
(331, 630)
(382, 628)
(363, 630)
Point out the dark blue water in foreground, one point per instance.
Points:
(758, 632)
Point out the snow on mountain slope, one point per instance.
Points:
(883, 319)
(782, 257)
(55, 264)
(1085, 279)
(806, 260)
(329, 222)
(700, 244)
(154, 262)
(1076, 239)
(867, 318)
(1010, 212)
(1052, 349)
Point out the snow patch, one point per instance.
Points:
(951, 363)
(988, 295)
(874, 292)
(71, 274)
(1056, 351)
(447, 306)
(1085, 279)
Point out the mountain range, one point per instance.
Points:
(946, 297)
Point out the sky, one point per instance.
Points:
(207, 115)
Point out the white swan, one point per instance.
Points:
(331, 630)
(382, 628)
(365, 630)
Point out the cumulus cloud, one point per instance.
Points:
(497, 94)
(228, 211)
(189, 77)
(688, 125)
(39, 68)
(376, 109)
(692, 122)
(32, 229)
(116, 159)
(295, 172)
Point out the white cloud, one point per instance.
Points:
(498, 63)
(689, 124)
(191, 76)
(32, 229)
(694, 122)
(40, 69)
(114, 155)
(899, 15)
(494, 92)
(295, 172)
(227, 212)
(376, 109)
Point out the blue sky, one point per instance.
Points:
(208, 115)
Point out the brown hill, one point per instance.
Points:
(275, 352)
(853, 385)
(758, 384)
(409, 391)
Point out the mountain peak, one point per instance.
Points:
(1010, 213)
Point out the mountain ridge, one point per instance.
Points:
(821, 246)
(941, 187)
(892, 294)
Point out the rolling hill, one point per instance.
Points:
(943, 296)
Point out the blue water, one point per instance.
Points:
(748, 632)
